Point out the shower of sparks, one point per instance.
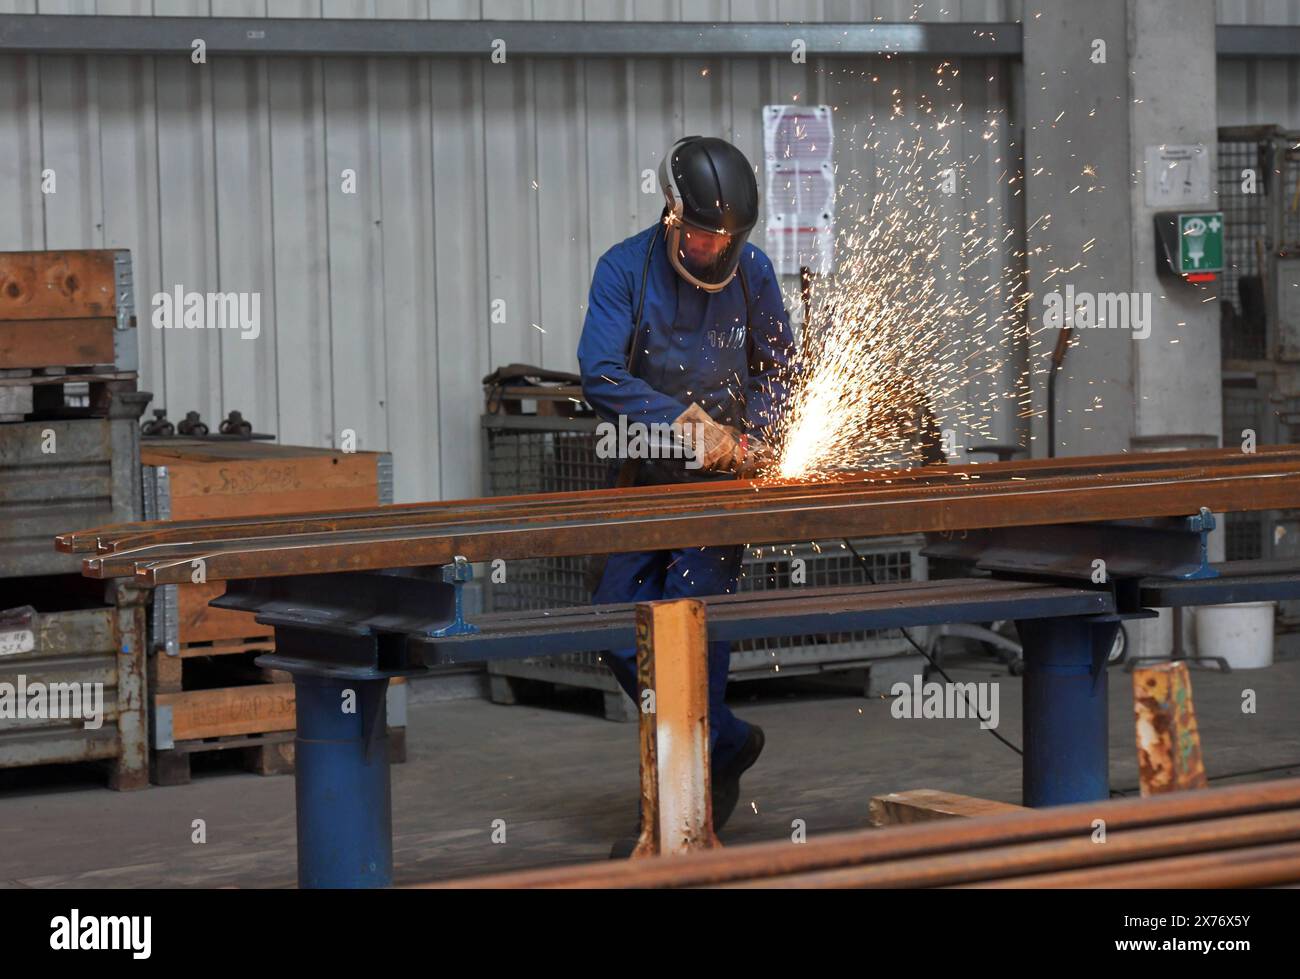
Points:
(922, 325)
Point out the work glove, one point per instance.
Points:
(718, 447)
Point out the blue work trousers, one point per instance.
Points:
(688, 573)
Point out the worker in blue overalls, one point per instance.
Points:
(686, 324)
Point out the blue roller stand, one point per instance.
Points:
(1065, 716)
(345, 812)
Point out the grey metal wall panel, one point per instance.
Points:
(376, 305)
(1259, 91)
(922, 11)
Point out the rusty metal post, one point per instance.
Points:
(130, 769)
(1168, 741)
(673, 696)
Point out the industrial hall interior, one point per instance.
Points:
(627, 444)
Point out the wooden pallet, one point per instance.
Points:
(41, 394)
(243, 479)
(254, 714)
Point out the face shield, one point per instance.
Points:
(712, 204)
(702, 257)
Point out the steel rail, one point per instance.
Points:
(951, 508)
(836, 851)
(120, 561)
(1252, 866)
(125, 536)
(631, 501)
(1020, 859)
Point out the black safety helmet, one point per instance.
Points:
(712, 207)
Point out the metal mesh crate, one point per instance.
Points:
(533, 454)
(1246, 234)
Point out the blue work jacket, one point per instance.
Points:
(694, 344)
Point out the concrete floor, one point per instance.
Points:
(565, 782)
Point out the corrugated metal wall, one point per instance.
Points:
(475, 183)
(1257, 92)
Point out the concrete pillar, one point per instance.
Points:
(1090, 114)
(1177, 380)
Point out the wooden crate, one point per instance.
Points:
(195, 480)
(258, 719)
(205, 691)
(66, 309)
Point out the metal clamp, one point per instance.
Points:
(1202, 524)
(456, 574)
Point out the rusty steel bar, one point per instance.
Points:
(869, 848)
(1019, 859)
(673, 688)
(116, 537)
(1252, 866)
(606, 521)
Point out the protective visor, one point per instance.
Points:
(703, 257)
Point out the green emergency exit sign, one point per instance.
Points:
(1200, 243)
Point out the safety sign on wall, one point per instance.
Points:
(1200, 243)
(797, 145)
(1177, 175)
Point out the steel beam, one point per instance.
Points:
(92, 34)
(988, 847)
(1257, 41)
(66, 34)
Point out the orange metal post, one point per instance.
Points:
(1168, 742)
(673, 689)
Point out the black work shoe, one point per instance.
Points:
(726, 791)
(623, 847)
(726, 779)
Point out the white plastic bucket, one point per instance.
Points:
(1242, 634)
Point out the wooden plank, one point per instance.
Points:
(164, 673)
(209, 490)
(1168, 741)
(56, 285)
(216, 713)
(199, 622)
(925, 805)
(235, 479)
(56, 343)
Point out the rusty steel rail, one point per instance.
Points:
(1246, 835)
(1083, 489)
(117, 537)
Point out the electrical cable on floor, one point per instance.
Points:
(866, 567)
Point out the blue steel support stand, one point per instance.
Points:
(341, 782)
(342, 637)
(1065, 717)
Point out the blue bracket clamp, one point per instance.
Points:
(1202, 524)
(456, 574)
